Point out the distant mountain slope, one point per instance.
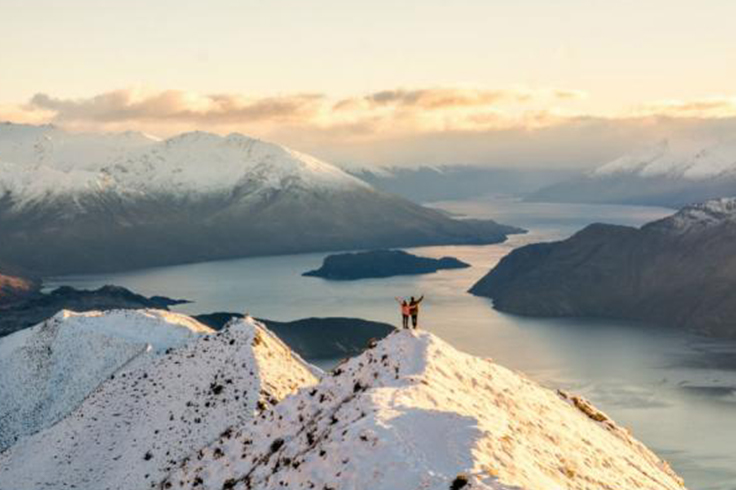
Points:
(678, 272)
(452, 182)
(138, 425)
(48, 370)
(415, 413)
(31, 309)
(659, 175)
(315, 338)
(193, 197)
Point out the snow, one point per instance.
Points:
(688, 161)
(49, 145)
(52, 367)
(136, 426)
(40, 163)
(697, 217)
(414, 413)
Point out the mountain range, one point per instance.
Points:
(83, 202)
(664, 174)
(453, 182)
(678, 272)
(237, 409)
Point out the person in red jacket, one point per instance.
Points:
(405, 311)
(414, 310)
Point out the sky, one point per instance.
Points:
(529, 82)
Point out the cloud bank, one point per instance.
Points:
(402, 126)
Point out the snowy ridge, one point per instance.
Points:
(39, 163)
(49, 369)
(137, 425)
(52, 146)
(415, 413)
(662, 160)
(697, 217)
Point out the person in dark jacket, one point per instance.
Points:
(414, 310)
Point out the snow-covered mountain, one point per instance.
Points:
(46, 371)
(662, 174)
(136, 426)
(84, 203)
(415, 413)
(698, 218)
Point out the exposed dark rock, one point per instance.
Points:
(381, 263)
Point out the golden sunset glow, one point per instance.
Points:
(333, 77)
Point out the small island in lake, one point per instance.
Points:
(380, 263)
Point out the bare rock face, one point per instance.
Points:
(678, 272)
(149, 416)
(415, 413)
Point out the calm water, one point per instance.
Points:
(677, 393)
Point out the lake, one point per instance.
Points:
(676, 392)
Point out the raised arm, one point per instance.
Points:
(421, 298)
(398, 300)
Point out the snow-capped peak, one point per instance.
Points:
(205, 162)
(415, 413)
(687, 160)
(50, 368)
(41, 163)
(697, 217)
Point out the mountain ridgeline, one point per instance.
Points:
(676, 272)
(83, 203)
(237, 409)
(660, 175)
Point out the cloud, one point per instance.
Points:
(451, 98)
(404, 126)
(177, 105)
(714, 107)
